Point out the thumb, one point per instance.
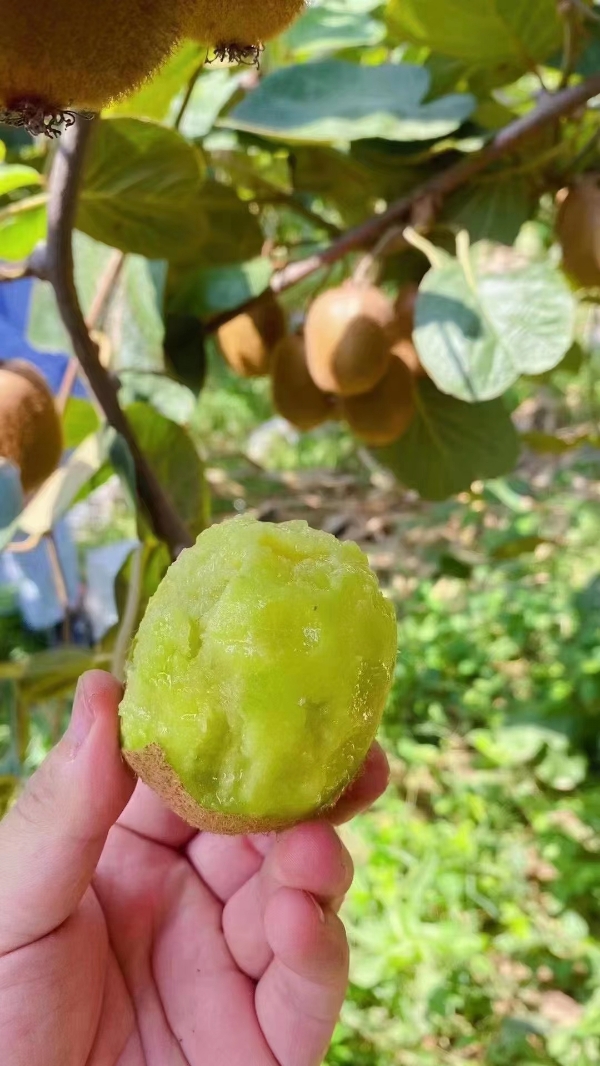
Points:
(52, 839)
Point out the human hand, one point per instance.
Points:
(145, 943)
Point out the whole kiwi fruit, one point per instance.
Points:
(384, 414)
(578, 231)
(347, 342)
(258, 676)
(30, 427)
(248, 339)
(237, 29)
(57, 56)
(295, 395)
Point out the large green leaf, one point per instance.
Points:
(22, 225)
(141, 189)
(451, 444)
(476, 332)
(175, 461)
(338, 101)
(134, 322)
(518, 33)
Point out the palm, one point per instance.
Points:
(168, 961)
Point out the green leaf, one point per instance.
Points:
(477, 332)
(134, 323)
(175, 461)
(232, 233)
(339, 101)
(155, 99)
(451, 444)
(492, 210)
(80, 420)
(211, 92)
(170, 398)
(16, 177)
(185, 351)
(518, 33)
(327, 29)
(141, 190)
(22, 225)
(209, 291)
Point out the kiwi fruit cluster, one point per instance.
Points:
(354, 359)
(578, 230)
(58, 58)
(30, 426)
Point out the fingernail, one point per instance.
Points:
(82, 717)
(316, 905)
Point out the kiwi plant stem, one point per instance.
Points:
(63, 191)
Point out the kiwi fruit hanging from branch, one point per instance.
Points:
(30, 427)
(347, 338)
(236, 30)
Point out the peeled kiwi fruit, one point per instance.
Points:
(30, 427)
(382, 416)
(347, 343)
(295, 395)
(258, 676)
(247, 341)
(578, 230)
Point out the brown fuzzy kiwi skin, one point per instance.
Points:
(247, 341)
(295, 395)
(30, 427)
(152, 768)
(347, 341)
(58, 56)
(402, 328)
(578, 231)
(235, 26)
(383, 415)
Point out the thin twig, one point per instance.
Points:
(64, 184)
(189, 92)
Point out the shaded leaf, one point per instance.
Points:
(451, 444)
(492, 210)
(338, 101)
(185, 352)
(208, 291)
(175, 461)
(141, 189)
(327, 29)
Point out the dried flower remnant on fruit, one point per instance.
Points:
(253, 691)
(236, 30)
(58, 58)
